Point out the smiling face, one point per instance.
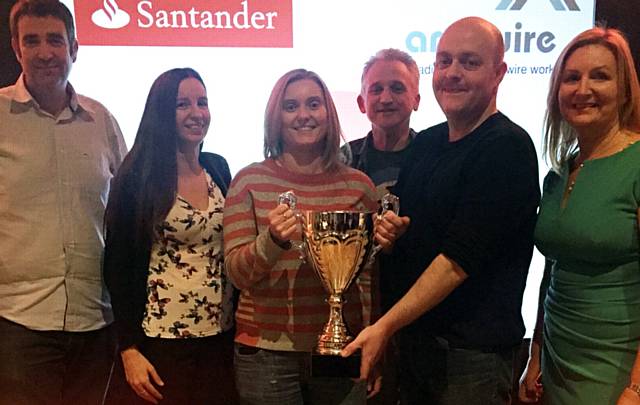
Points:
(467, 71)
(44, 52)
(389, 95)
(304, 117)
(588, 92)
(192, 112)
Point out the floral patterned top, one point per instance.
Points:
(188, 293)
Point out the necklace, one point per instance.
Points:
(575, 172)
(572, 183)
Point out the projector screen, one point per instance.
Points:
(241, 47)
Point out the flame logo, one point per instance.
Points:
(110, 16)
(111, 7)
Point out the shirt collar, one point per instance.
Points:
(23, 100)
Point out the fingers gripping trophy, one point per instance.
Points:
(338, 244)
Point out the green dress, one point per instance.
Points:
(592, 307)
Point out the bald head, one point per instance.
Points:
(468, 70)
(474, 26)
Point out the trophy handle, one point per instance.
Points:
(389, 202)
(290, 199)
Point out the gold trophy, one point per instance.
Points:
(338, 244)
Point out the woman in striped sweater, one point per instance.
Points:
(282, 307)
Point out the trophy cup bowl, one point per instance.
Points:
(338, 245)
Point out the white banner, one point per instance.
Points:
(334, 38)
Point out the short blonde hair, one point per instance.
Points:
(273, 119)
(560, 140)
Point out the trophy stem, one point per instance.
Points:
(335, 335)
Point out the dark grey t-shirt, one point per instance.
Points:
(383, 167)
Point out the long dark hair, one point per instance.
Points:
(147, 181)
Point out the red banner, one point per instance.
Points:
(213, 23)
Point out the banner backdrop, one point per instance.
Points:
(241, 47)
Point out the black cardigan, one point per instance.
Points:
(126, 260)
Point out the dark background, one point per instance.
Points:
(9, 68)
(625, 16)
(621, 14)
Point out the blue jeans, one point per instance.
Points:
(52, 367)
(267, 377)
(430, 372)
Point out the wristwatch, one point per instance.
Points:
(635, 388)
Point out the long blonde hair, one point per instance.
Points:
(273, 119)
(560, 140)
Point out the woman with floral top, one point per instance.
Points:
(164, 259)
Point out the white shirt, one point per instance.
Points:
(54, 182)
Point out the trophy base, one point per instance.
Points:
(332, 345)
(335, 366)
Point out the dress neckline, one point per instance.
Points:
(210, 187)
(629, 145)
(569, 186)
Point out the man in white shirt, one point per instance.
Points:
(58, 153)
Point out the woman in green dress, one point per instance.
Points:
(585, 345)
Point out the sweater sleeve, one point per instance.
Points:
(249, 254)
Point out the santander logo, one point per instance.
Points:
(110, 16)
(211, 23)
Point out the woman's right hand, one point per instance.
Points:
(282, 223)
(137, 370)
(530, 388)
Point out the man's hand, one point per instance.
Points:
(138, 369)
(388, 228)
(372, 341)
(374, 383)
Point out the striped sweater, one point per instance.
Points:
(282, 302)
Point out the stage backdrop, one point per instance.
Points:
(241, 47)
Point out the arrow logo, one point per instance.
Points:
(558, 5)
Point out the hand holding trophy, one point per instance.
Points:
(389, 202)
(290, 199)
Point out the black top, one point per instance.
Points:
(475, 201)
(126, 260)
(360, 152)
(383, 167)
